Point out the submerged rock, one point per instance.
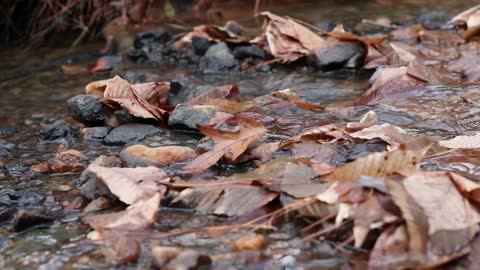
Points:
(338, 54)
(189, 116)
(90, 186)
(95, 133)
(7, 131)
(200, 45)
(130, 133)
(140, 155)
(57, 130)
(219, 58)
(25, 219)
(88, 109)
(253, 51)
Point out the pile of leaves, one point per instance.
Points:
(359, 183)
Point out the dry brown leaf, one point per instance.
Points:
(132, 184)
(467, 64)
(391, 134)
(229, 200)
(461, 142)
(137, 217)
(228, 144)
(368, 120)
(471, 20)
(219, 92)
(468, 188)
(213, 33)
(339, 33)
(142, 100)
(287, 39)
(250, 242)
(378, 164)
(156, 156)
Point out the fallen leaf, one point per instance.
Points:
(378, 164)
(462, 142)
(122, 250)
(287, 39)
(368, 120)
(229, 200)
(68, 161)
(467, 64)
(142, 100)
(228, 144)
(213, 33)
(137, 217)
(156, 156)
(471, 20)
(219, 92)
(391, 134)
(131, 185)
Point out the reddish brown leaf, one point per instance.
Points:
(471, 20)
(219, 92)
(138, 216)
(131, 184)
(228, 144)
(157, 156)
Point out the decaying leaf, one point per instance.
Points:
(229, 200)
(228, 144)
(287, 39)
(137, 217)
(462, 142)
(470, 19)
(467, 64)
(391, 134)
(68, 161)
(368, 120)
(132, 184)
(213, 33)
(378, 164)
(142, 100)
(219, 92)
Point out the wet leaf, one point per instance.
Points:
(141, 100)
(132, 184)
(287, 39)
(228, 144)
(461, 142)
(229, 200)
(213, 33)
(368, 120)
(391, 134)
(378, 164)
(123, 250)
(470, 19)
(137, 217)
(219, 92)
(467, 64)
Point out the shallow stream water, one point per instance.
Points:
(29, 102)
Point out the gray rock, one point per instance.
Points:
(219, 58)
(95, 133)
(88, 109)
(90, 186)
(433, 20)
(57, 130)
(338, 54)
(7, 131)
(200, 45)
(130, 133)
(123, 117)
(254, 51)
(189, 116)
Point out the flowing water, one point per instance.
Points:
(38, 98)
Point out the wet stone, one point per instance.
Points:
(57, 130)
(158, 35)
(253, 51)
(90, 186)
(200, 45)
(88, 109)
(188, 116)
(433, 20)
(7, 131)
(123, 117)
(25, 219)
(21, 198)
(131, 133)
(95, 133)
(219, 58)
(337, 55)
